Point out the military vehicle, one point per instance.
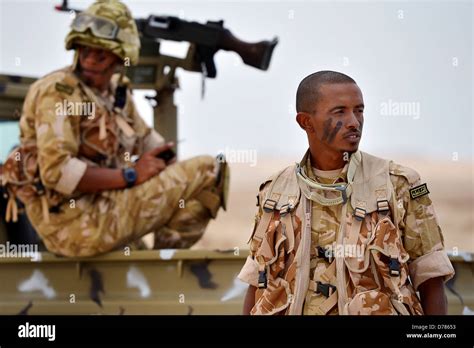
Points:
(166, 281)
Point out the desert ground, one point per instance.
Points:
(450, 184)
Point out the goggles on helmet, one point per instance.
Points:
(100, 27)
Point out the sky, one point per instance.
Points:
(412, 60)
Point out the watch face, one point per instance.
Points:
(130, 175)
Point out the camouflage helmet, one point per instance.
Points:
(106, 24)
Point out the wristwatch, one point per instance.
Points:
(130, 176)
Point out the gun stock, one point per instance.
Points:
(256, 54)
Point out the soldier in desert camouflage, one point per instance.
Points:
(343, 232)
(80, 132)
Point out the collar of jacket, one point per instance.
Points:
(310, 187)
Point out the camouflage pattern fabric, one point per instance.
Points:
(102, 222)
(126, 48)
(417, 244)
(276, 298)
(58, 144)
(324, 226)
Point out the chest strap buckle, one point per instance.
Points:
(269, 205)
(394, 267)
(359, 213)
(383, 206)
(325, 288)
(262, 279)
(325, 254)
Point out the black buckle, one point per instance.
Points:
(325, 254)
(262, 279)
(285, 209)
(394, 267)
(269, 205)
(120, 96)
(325, 289)
(39, 188)
(383, 206)
(359, 213)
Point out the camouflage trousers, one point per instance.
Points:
(165, 204)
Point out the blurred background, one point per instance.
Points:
(412, 60)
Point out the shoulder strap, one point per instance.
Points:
(371, 189)
(284, 192)
(282, 197)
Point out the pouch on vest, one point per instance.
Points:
(20, 179)
(273, 239)
(377, 261)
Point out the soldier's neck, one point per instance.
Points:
(326, 160)
(101, 85)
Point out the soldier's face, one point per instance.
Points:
(96, 66)
(337, 121)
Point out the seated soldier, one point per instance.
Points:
(80, 130)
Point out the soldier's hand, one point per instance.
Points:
(149, 164)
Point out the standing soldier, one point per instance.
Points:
(80, 131)
(343, 232)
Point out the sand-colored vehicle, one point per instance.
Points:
(168, 281)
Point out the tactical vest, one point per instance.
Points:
(104, 141)
(368, 273)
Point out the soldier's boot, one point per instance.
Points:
(189, 222)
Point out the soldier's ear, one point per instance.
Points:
(304, 120)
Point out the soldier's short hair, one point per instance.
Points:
(308, 89)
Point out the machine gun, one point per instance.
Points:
(158, 71)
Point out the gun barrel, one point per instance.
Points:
(173, 28)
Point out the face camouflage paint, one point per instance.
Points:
(334, 131)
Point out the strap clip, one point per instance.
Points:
(359, 213)
(285, 209)
(325, 288)
(269, 205)
(325, 254)
(39, 188)
(262, 279)
(383, 207)
(394, 267)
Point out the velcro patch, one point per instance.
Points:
(60, 87)
(419, 191)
